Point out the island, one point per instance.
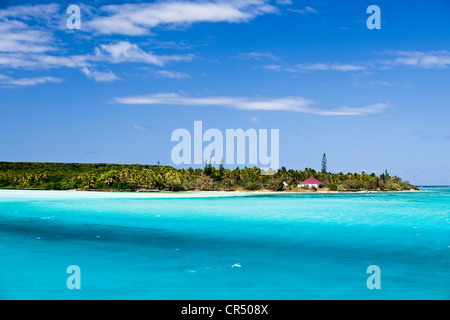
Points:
(133, 177)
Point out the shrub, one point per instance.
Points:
(407, 186)
(4, 183)
(276, 185)
(159, 184)
(127, 186)
(253, 186)
(217, 185)
(393, 187)
(204, 182)
(332, 187)
(353, 184)
(227, 184)
(99, 185)
(371, 185)
(175, 185)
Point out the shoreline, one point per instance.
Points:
(174, 194)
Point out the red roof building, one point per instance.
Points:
(311, 182)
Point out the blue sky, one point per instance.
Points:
(115, 90)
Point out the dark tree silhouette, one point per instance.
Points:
(324, 163)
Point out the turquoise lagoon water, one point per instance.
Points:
(182, 246)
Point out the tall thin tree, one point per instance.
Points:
(221, 165)
(324, 163)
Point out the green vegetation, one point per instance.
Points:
(113, 177)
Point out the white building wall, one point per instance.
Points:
(308, 185)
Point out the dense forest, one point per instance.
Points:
(110, 177)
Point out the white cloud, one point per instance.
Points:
(41, 61)
(138, 19)
(181, 45)
(284, 2)
(48, 13)
(16, 36)
(427, 60)
(258, 56)
(372, 84)
(24, 82)
(306, 10)
(139, 127)
(331, 66)
(124, 51)
(120, 52)
(342, 67)
(292, 104)
(99, 76)
(416, 59)
(282, 104)
(28, 41)
(272, 67)
(356, 111)
(172, 74)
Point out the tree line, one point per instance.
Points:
(116, 177)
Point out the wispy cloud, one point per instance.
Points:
(139, 127)
(292, 104)
(99, 76)
(28, 40)
(331, 66)
(322, 66)
(284, 2)
(427, 60)
(25, 82)
(415, 59)
(258, 56)
(172, 74)
(282, 104)
(119, 52)
(16, 36)
(125, 51)
(372, 84)
(341, 67)
(303, 11)
(272, 67)
(35, 61)
(48, 13)
(29, 28)
(138, 19)
(375, 108)
(181, 45)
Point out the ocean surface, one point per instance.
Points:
(187, 246)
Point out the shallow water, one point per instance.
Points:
(300, 246)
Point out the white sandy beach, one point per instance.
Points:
(55, 194)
